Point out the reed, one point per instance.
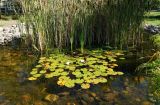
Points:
(72, 24)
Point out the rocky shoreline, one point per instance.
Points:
(13, 32)
(10, 33)
(151, 29)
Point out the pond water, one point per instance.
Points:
(16, 90)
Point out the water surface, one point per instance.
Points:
(15, 89)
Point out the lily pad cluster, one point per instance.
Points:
(83, 70)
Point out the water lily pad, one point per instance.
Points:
(103, 80)
(88, 69)
(49, 75)
(104, 74)
(42, 71)
(59, 70)
(72, 68)
(122, 58)
(70, 84)
(97, 73)
(32, 78)
(64, 73)
(38, 66)
(91, 59)
(33, 72)
(61, 82)
(85, 86)
(120, 73)
(34, 69)
(114, 65)
(37, 75)
(79, 81)
(95, 81)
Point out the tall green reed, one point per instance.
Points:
(77, 23)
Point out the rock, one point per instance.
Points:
(107, 90)
(51, 98)
(138, 99)
(39, 103)
(71, 103)
(86, 97)
(8, 33)
(152, 99)
(22, 76)
(6, 102)
(63, 94)
(26, 98)
(146, 103)
(125, 92)
(83, 102)
(92, 94)
(110, 96)
(151, 29)
(2, 98)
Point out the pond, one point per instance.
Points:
(15, 89)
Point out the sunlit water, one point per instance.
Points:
(16, 90)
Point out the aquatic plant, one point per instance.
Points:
(71, 70)
(78, 23)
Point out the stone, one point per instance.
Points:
(146, 103)
(63, 94)
(26, 98)
(8, 33)
(2, 98)
(83, 102)
(138, 99)
(110, 96)
(151, 29)
(107, 90)
(71, 103)
(87, 98)
(39, 103)
(51, 98)
(92, 94)
(125, 92)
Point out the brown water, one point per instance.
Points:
(16, 90)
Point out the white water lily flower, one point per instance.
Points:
(67, 63)
(82, 61)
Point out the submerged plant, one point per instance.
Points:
(70, 70)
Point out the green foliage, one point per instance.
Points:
(154, 4)
(156, 41)
(83, 70)
(149, 68)
(152, 69)
(155, 80)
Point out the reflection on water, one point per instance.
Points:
(16, 90)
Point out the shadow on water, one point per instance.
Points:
(15, 89)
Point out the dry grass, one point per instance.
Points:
(4, 23)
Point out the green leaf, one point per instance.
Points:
(37, 75)
(42, 71)
(32, 78)
(122, 58)
(85, 86)
(33, 72)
